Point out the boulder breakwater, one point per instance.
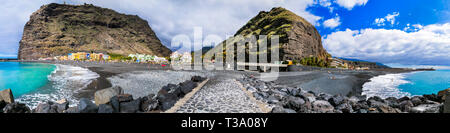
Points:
(110, 100)
(283, 99)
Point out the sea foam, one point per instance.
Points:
(385, 86)
(64, 81)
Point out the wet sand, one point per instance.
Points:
(105, 71)
(335, 81)
(346, 83)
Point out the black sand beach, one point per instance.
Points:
(330, 81)
(106, 70)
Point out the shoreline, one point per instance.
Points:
(334, 82)
(105, 71)
(331, 81)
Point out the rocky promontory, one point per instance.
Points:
(298, 38)
(58, 29)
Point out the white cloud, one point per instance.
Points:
(418, 26)
(332, 22)
(415, 27)
(429, 45)
(349, 4)
(389, 18)
(380, 21)
(326, 3)
(14, 14)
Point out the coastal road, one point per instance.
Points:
(222, 94)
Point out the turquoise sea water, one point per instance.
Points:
(24, 78)
(426, 82)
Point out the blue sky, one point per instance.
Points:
(424, 12)
(411, 32)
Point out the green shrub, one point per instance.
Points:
(314, 61)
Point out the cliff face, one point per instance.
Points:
(57, 29)
(298, 38)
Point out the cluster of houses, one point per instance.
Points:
(83, 56)
(176, 57)
(147, 58)
(184, 58)
(339, 63)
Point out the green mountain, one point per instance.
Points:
(298, 38)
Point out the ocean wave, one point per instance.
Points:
(385, 86)
(64, 81)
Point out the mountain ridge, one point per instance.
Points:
(298, 38)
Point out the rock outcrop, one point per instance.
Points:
(7, 96)
(298, 38)
(58, 29)
(104, 96)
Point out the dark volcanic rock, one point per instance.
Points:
(16, 108)
(406, 105)
(197, 79)
(187, 86)
(308, 96)
(115, 104)
(130, 107)
(45, 108)
(149, 103)
(417, 100)
(403, 99)
(322, 106)
(345, 108)
(105, 108)
(58, 29)
(61, 105)
(2, 105)
(392, 101)
(86, 106)
(72, 110)
(336, 100)
(282, 110)
(124, 98)
(295, 103)
(166, 101)
(432, 97)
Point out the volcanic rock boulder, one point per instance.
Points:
(7, 96)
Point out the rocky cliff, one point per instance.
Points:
(298, 38)
(58, 29)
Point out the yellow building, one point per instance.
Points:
(78, 56)
(96, 56)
